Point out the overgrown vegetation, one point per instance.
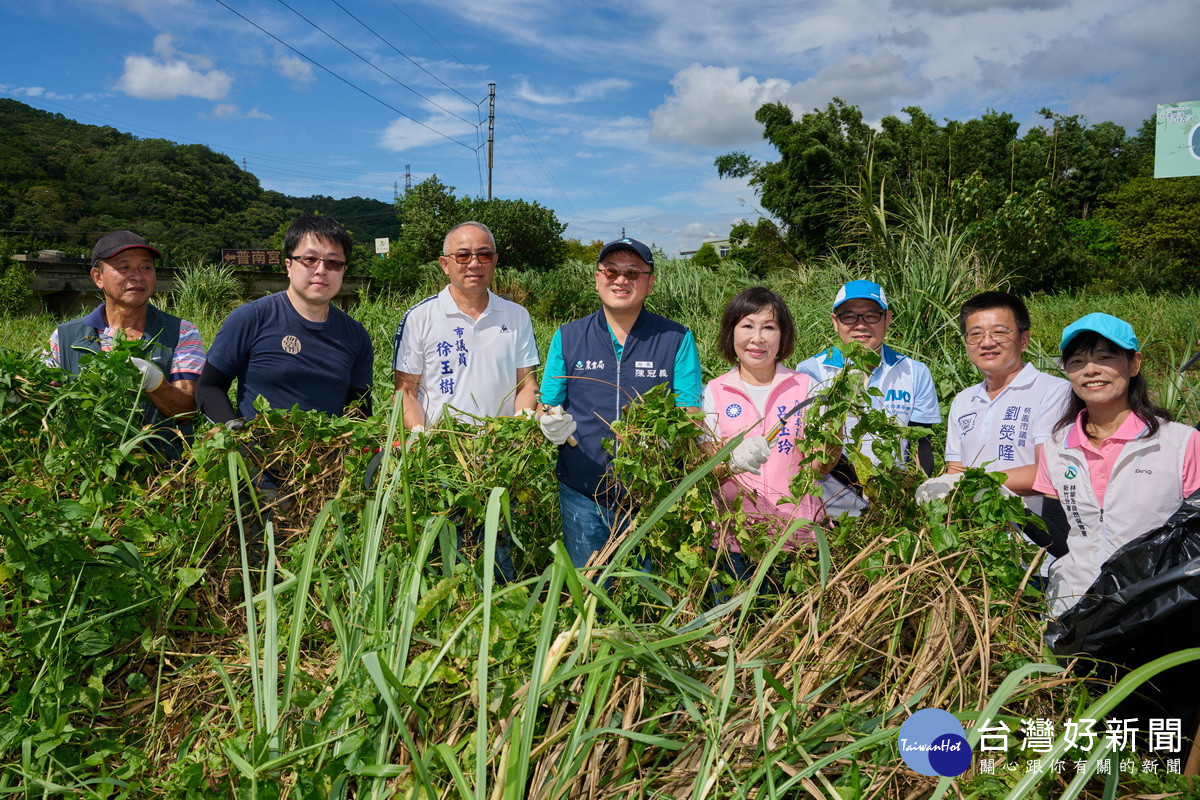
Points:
(166, 637)
(167, 633)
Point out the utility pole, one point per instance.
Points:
(491, 132)
(395, 191)
(407, 178)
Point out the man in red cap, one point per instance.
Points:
(123, 270)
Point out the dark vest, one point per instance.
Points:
(159, 341)
(598, 389)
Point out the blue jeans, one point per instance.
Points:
(586, 524)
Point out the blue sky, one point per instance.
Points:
(610, 112)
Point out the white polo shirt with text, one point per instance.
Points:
(468, 364)
(1001, 433)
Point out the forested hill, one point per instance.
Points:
(63, 182)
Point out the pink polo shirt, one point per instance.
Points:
(1100, 460)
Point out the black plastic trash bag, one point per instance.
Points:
(1147, 589)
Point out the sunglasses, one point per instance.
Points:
(331, 264)
(632, 274)
(464, 257)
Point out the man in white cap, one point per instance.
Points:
(861, 314)
(173, 353)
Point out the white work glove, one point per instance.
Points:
(557, 426)
(750, 455)
(152, 376)
(937, 487)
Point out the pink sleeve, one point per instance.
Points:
(1191, 465)
(1042, 482)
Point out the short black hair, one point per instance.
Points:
(751, 301)
(322, 227)
(986, 301)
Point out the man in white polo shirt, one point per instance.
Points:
(465, 349)
(1001, 423)
(861, 314)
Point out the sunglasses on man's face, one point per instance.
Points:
(630, 274)
(464, 257)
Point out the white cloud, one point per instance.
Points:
(954, 8)
(231, 111)
(295, 69)
(620, 132)
(407, 134)
(713, 106)
(173, 74)
(590, 90)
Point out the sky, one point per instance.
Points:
(610, 112)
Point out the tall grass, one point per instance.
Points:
(205, 290)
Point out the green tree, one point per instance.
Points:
(1155, 221)
(819, 153)
(528, 235)
(425, 213)
(587, 253)
(707, 256)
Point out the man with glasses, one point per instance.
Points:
(861, 314)
(294, 348)
(595, 367)
(1001, 423)
(465, 349)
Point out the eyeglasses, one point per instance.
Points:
(612, 272)
(850, 318)
(464, 256)
(999, 335)
(310, 262)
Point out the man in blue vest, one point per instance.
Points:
(123, 270)
(618, 353)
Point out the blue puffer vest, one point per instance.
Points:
(599, 388)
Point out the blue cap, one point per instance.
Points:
(861, 290)
(1116, 330)
(633, 245)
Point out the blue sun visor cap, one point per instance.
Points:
(633, 245)
(1116, 330)
(861, 290)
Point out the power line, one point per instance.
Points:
(569, 208)
(367, 61)
(411, 61)
(435, 40)
(343, 80)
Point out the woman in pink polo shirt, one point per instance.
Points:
(756, 334)
(1116, 463)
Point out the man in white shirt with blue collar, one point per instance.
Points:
(465, 348)
(1002, 422)
(861, 314)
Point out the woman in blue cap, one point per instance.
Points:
(1116, 462)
